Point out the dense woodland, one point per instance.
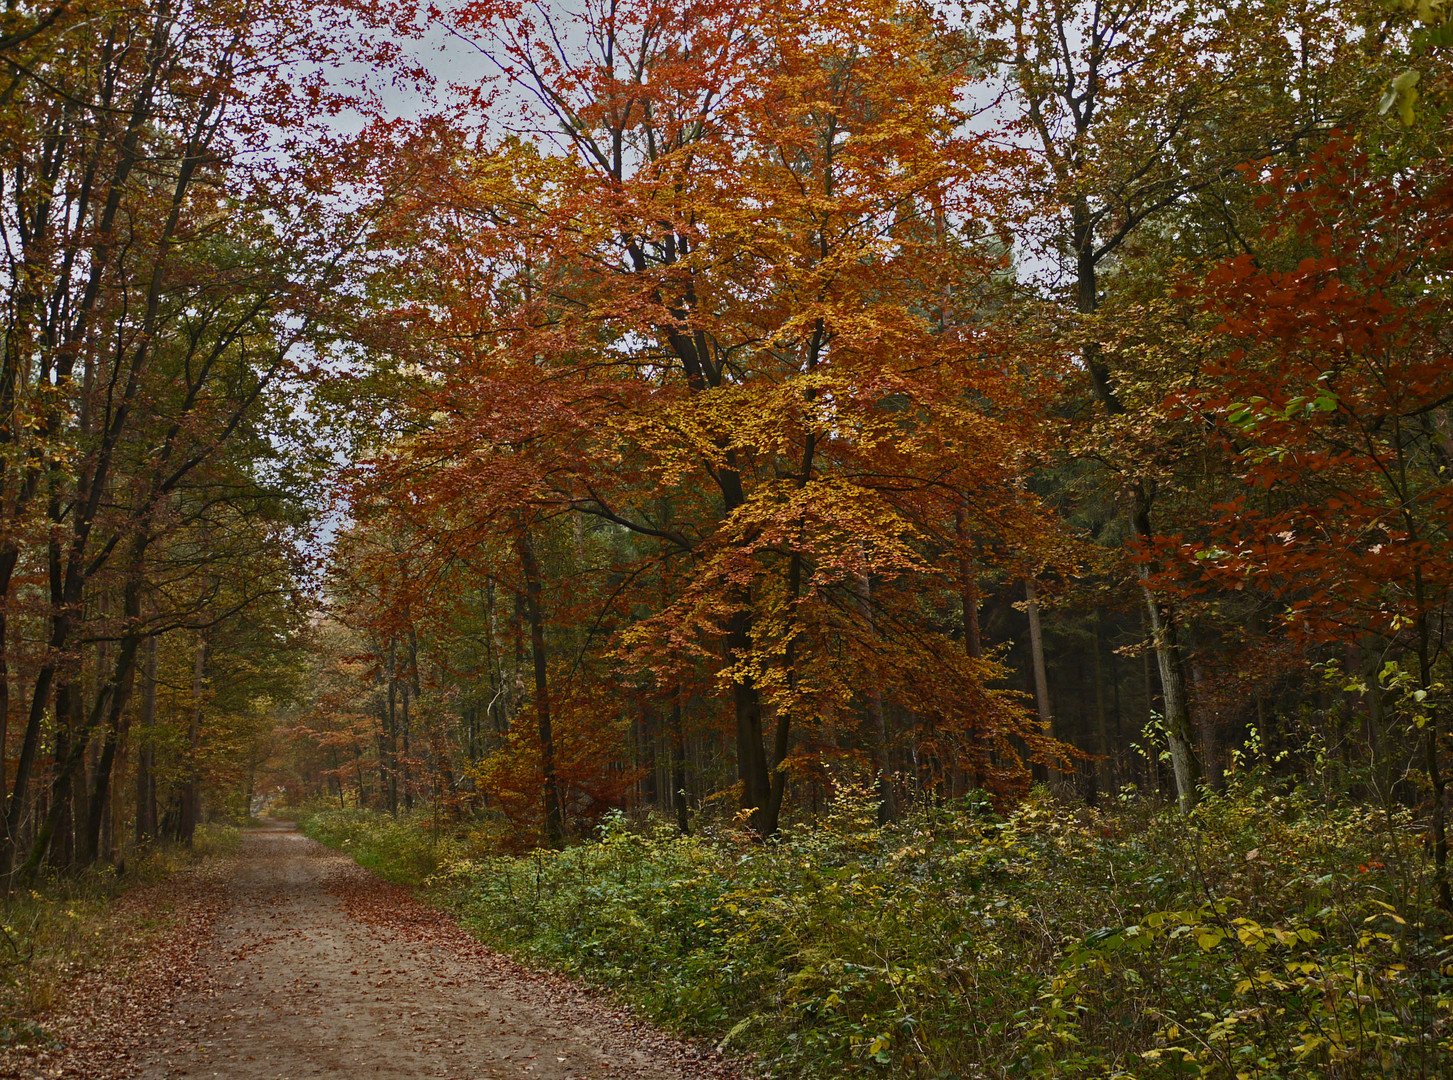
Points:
(932, 525)
(728, 415)
(702, 404)
(746, 399)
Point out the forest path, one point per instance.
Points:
(318, 968)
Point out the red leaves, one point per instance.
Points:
(1322, 393)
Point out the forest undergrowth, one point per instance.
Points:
(68, 926)
(1274, 934)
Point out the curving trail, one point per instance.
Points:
(317, 968)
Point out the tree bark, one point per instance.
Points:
(1036, 655)
(1179, 731)
(1436, 778)
(146, 751)
(61, 845)
(534, 607)
(117, 716)
(1180, 735)
(968, 590)
(389, 759)
(191, 786)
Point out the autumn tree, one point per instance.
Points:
(1123, 120)
(1325, 397)
(734, 270)
(164, 255)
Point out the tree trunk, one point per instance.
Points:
(1430, 748)
(1179, 732)
(191, 787)
(1041, 676)
(534, 607)
(117, 717)
(146, 751)
(752, 768)
(62, 851)
(389, 759)
(404, 760)
(968, 590)
(9, 555)
(646, 757)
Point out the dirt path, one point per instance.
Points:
(319, 969)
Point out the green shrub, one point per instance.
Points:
(401, 849)
(1273, 935)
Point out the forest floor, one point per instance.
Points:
(314, 967)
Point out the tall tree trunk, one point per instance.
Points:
(1376, 726)
(534, 606)
(62, 850)
(1431, 763)
(405, 761)
(647, 757)
(389, 758)
(117, 718)
(1180, 734)
(108, 703)
(191, 786)
(752, 768)
(9, 554)
(1036, 659)
(677, 731)
(146, 751)
(969, 604)
(40, 694)
(411, 695)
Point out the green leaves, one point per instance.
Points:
(1257, 410)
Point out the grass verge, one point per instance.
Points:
(53, 935)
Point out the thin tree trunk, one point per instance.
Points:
(404, 761)
(534, 606)
(1152, 764)
(191, 788)
(146, 751)
(115, 735)
(8, 557)
(1430, 748)
(1041, 676)
(390, 743)
(968, 590)
(61, 844)
(647, 758)
(1179, 731)
(1180, 735)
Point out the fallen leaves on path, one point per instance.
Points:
(148, 962)
(455, 957)
(289, 960)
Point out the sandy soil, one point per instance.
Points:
(317, 968)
